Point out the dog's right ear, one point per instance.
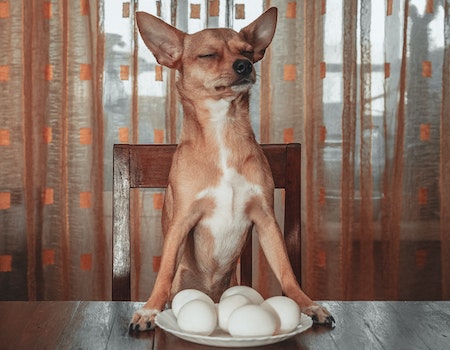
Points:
(163, 40)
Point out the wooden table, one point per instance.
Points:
(104, 325)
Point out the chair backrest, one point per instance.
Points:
(147, 166)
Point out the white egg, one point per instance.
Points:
(187, 295)
(252, 321)
(248, 292)
(227, 306)
(287, 311)
(197, 317)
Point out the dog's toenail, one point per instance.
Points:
(331, 322)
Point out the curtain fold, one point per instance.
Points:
(363, 85)
(349, 116)
(312, 120)
(444, 175)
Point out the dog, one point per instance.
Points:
(220, 182)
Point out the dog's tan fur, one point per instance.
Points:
(220, 182)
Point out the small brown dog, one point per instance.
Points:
(220, 182)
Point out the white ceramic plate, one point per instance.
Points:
(166, 320)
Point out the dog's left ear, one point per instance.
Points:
(260, 32)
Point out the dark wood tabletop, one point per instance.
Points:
(104, 325)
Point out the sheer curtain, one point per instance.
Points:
(363, 85)
(52, 229)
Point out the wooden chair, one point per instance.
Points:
(147, 166)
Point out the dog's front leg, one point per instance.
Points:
(273, 245)
(144, 318)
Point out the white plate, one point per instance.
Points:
(166, 320)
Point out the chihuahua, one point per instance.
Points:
(220, 183)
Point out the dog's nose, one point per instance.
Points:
(243, 67)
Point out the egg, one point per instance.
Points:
(252, 321)
(248, 292)
(187, 295)
(287, 311)
(227, 306)
(197, 317)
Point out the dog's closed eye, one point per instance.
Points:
(247, 53)
(208, 55)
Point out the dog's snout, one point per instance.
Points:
(243, 67)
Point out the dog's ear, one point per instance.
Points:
(260, 32)
(163, 40)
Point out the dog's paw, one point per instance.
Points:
(143, 320)
(320, 315)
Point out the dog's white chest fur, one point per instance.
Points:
(229, 220)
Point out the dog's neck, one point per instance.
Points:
(204, 118)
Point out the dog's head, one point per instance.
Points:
(213, 63)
